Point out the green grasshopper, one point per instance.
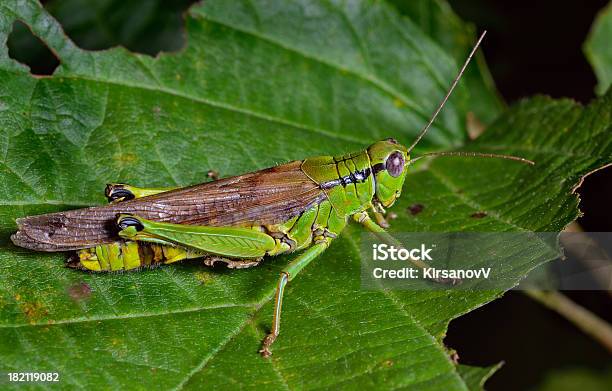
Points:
(301, 205)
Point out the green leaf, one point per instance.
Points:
(597, 48)
(437, 19)
(475, 377)
(259, 83)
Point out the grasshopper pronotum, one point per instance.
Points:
(301, 205)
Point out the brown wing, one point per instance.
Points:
(263, 197)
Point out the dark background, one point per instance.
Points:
(533, 47)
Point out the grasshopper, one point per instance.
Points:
(298, 206)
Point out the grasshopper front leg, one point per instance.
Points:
(364, 219)
(379, 214)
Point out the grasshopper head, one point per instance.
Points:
(388, 159)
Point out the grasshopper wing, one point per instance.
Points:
(263, 197)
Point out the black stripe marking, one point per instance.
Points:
(378, 167)
(354, 177)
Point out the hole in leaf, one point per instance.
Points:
(28, 49)
(478, 215)
(415, 209)
(142, 26)
(79, 291)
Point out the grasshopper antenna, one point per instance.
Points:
(473, 154)
(448, 94)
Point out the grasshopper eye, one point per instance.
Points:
(129, 221)
(395, 164)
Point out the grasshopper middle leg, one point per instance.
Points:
(288, 274)
(232, 263)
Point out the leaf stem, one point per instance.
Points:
(582, 318)
(577, 250)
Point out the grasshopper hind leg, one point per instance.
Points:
(129, 255)
(119, 192)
